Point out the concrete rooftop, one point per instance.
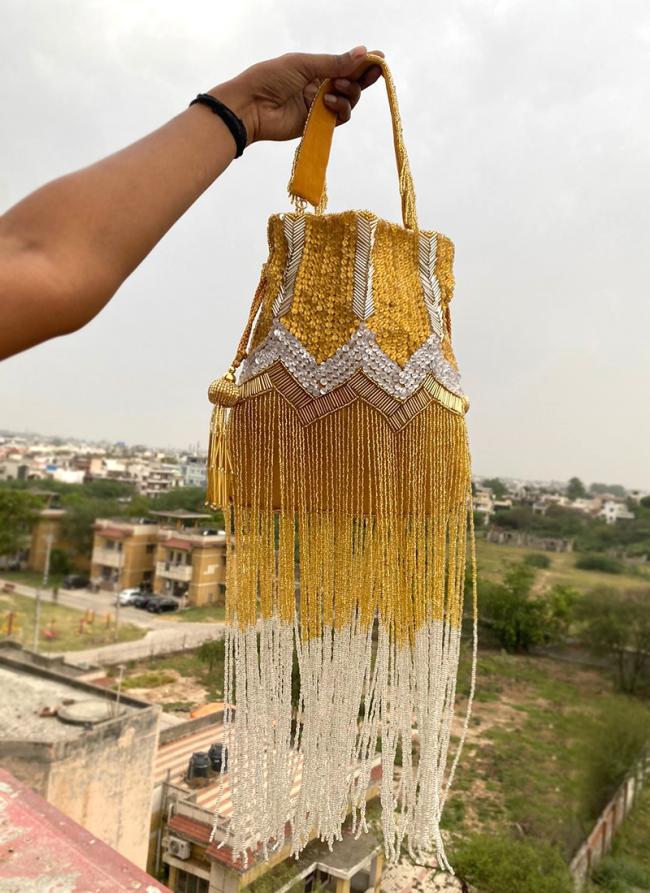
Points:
(25, 694)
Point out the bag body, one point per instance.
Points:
(341, 461)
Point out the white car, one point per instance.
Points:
(126, 596)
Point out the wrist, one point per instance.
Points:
(240, 102)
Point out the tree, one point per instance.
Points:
(614, 489)
(497, 486)
(576, 489)
(77, 525)
(520, 619)
(212, 653)
(17, 511)
(618, 625)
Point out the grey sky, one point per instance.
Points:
(527, 128)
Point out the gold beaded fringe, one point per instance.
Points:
(347, 544)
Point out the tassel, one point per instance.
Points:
(224, 394)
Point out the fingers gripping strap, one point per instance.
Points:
(307, 183)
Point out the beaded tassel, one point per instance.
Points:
(224, 393)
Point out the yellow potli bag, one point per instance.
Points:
(341, 462)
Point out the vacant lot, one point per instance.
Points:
(492, 558)
(547, 745)
(180, 682)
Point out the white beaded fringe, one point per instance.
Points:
(311, 779)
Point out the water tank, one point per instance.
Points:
(199, 766)
(218, 757)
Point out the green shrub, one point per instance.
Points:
(616, 874)
(516, 617)
(537, 559)
(500, 864)
(151, 679)
(593, 561)
(59, 562)
(620, 735)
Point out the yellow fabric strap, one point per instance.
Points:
(307, 183)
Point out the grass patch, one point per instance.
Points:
(492, 559)
(550, 750)
(60, 628)
(32, 578)
(496, 864)
(187, 665)
(628, 865)
(150, 679)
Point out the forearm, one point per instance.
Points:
(66, 248)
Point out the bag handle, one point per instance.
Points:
(307, 183)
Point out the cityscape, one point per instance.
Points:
(112, 610)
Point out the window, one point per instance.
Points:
(151, 548)
(190, 883)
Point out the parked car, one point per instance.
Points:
(161, 604)
(142, 600)
(75, 581)
(126, 596)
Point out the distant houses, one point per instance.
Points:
(168, 554)
(150, 472)
(540, 498)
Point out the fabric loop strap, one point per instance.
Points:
(307, 183)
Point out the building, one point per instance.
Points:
(613, 511)
(159, 477)
(182, 818)
(483, 502)
(587, 505)
(167, 554)
(506, 537)
(191, 564)
(195, 471)
(124, 553)
(87, 751)
(69, 857)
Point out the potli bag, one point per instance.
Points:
(341, 462)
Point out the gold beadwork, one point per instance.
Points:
(342, 465)
(224, 391)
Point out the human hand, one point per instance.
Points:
(273, 97)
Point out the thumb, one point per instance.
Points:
(324, 65)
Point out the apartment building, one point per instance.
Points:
(124, 553)
(195, 471)
(191, 565)
(167, 554)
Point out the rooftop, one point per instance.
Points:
(42, 849)
(171, 767)
(36, 701)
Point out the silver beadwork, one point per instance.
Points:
(360, 353)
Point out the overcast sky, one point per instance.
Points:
(527, 128)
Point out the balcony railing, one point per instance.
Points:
(173, 571)
(107, 557)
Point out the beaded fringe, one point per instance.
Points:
(347, 547)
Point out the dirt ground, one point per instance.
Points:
(184, 690)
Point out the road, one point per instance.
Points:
(164, 635)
